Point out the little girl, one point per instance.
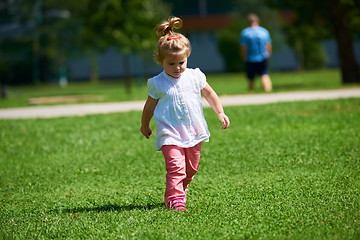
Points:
(174, 99)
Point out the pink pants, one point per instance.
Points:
(181, 166)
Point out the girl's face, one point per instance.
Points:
(175, 64)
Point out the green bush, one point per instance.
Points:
(314, 55)
(228, 45)
(307, 45)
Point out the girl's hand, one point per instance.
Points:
(224, 120)
(146, 131)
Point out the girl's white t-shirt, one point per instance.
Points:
(179, 113)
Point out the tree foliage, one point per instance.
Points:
(56, 30)
(228, 45)
(127, 24)
(316, 20)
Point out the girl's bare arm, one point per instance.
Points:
(147, 114)
(214, 101)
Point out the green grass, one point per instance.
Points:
(281, 171)
(224, 84)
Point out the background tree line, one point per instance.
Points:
(41, 36)
(46, 34)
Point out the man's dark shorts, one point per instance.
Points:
(256, 68)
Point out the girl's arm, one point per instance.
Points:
(214, 101)
(147, 114)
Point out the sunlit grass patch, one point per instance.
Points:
(281, 171)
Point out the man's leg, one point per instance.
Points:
(265, 78)
(250, 74)
(266, 82)
(251, 84)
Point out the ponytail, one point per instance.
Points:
(167, 27)
(171, 42)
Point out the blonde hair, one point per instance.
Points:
(171, 42)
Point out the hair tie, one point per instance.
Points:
(173, 37)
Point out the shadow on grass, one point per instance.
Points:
(113, 207)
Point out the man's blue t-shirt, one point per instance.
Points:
(255, 39)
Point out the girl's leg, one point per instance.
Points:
(175, 167)
(192, 159)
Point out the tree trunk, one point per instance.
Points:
(299, 49)
(94, 75)
(127, 78)
(350, 71)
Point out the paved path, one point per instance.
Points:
(103, 108)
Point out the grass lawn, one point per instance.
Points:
(224, 84)
(281, 171)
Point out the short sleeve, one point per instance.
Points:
(267, 36)
(201, 77)
(242, 39)
(152, 90)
